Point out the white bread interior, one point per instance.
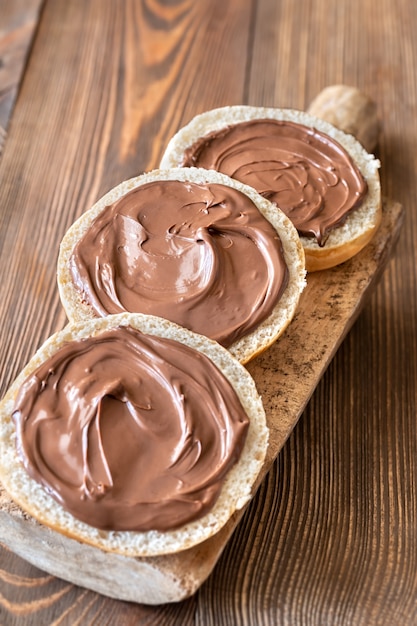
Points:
(236, 490)
(344, 241)
(267, 332)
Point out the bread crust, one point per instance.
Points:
(360, 225)
(236, 490)
(267, 332)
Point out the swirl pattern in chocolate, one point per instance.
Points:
(309, 175)
(130, 431)
(202, 256)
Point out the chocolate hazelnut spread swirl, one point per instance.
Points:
(130, 431)
(309, 175)
(202, 256)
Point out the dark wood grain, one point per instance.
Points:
(18, 21)
(331, 535)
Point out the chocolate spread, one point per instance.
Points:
(130, 431)
(202, 256)
(309, 175)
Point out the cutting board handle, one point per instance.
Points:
(351, 110)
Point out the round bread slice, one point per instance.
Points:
(267, 332)
(238, 483)
(361, 223)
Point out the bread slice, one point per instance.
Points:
(237, 487)
(247, 346)
(360, 225)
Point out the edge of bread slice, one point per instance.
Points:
(238, 484)
(360, 225)
(254, 342)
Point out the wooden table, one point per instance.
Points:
(90, 92)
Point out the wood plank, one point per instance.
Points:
(330, 537)
(18, 21)
(31, 596)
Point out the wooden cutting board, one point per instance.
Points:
(286, 376)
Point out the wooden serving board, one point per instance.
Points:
(286, 376)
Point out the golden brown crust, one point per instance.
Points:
(315, 261)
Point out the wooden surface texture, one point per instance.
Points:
(96, 91)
